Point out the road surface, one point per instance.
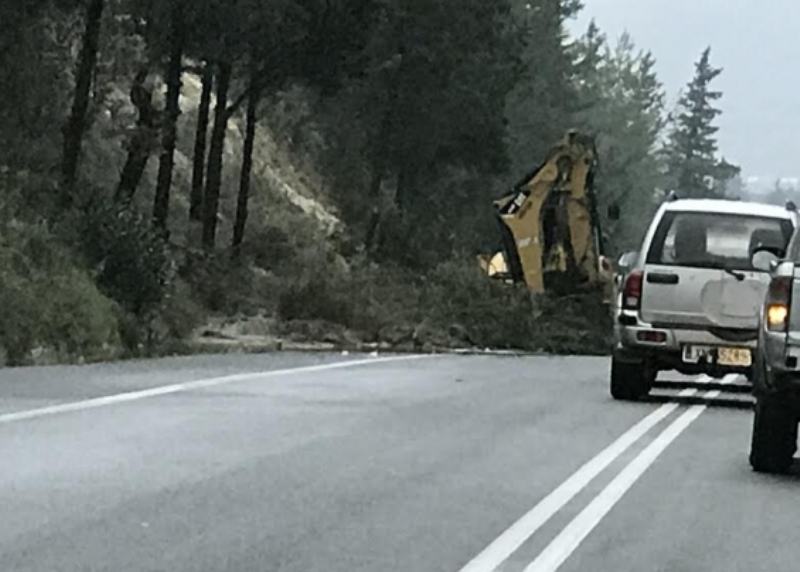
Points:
(349, 463)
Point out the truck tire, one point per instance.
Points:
(774, 435)
(629, 381)
(758, 376)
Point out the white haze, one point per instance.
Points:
(757, 44)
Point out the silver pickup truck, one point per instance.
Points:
(776, 380)
(690, 300)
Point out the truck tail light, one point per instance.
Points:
(779, 299)
(632, 291)
(652, 337)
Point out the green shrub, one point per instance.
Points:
(493, 314)
(452, 304)
(22, 324)
(498, 315)
(316, 300)
(318, 288)
(229, 287)
(81, 321)
(48, 302)
(129, 257)
(181, 312)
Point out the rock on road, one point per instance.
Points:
(312, 462)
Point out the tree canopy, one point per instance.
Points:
(694, 168)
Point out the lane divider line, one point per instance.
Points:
(119, 398)
(519, 532)
(557, 552)
(731, 378)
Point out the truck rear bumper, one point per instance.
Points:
(637, 336)
(781, 355)
(665, 345)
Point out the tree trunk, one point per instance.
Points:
(373, 225)
(247, 166)
(76, 124)
(174, 74)
(215, 159)
(201, 136)
(135, 164)
(380, 157)
(142, 141)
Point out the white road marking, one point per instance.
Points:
(731, 378)
(726, 380)
(510, 540)
(552, 557)
(188, 386)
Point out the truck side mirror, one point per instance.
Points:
(626, 262)
(764, 259)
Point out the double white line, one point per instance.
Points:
(554, 555)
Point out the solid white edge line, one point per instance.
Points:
(557, 552)
(519, 532)
(189, 386)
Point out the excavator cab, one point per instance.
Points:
(549, 224)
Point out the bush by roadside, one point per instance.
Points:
(455, 306)
(120, 290)
(52, 310)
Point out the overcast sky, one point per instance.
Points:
(758, 45)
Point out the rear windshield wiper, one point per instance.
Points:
(738, 275)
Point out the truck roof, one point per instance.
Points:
(722, 206)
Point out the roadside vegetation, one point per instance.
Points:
(325, 168)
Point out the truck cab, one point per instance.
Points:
(776, 368)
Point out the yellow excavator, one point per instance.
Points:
(552, 240)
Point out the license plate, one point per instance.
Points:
(725, 356)
(698, 354)
(737, 357)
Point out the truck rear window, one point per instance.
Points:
(713, 240)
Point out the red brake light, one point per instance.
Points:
(780, 290)
(632, 291)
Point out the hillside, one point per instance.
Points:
(179, 175)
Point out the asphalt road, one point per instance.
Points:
(314, 463)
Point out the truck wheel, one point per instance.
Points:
(629, 381)
(774, 435)
(758, 376)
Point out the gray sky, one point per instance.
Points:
(757, 43)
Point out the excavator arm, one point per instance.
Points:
(549, 224)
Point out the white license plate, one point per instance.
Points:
(697, 354)
(737, 357)
(726, 356)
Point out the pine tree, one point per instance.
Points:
(621, 103)
(694, 169)
(544, 101)
(75, 128)
(173, 74)
(432, 101)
